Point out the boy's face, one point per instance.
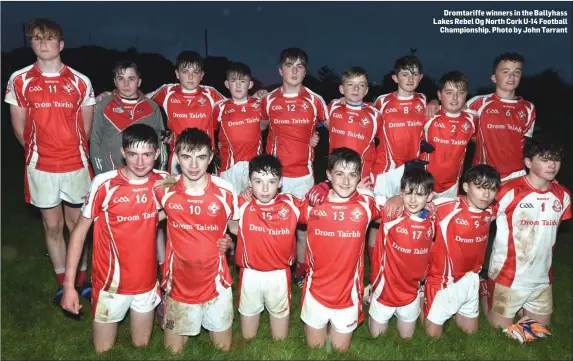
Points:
(507, 75)
(354, 89)
(452, 97)
(140, 159)
(190, 76)
(127, 83)
(265, 186)
(344, 178)
(479, 197)
(543, 167)
(194, 163)
(239, 86)
(45, 45)
(415, 200)
(408, 79)
(293, 72)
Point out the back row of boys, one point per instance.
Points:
(34, 96)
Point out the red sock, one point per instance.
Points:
(370, 252)
(61, 274)
(300, 269)
(82, 276)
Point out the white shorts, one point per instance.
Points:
(238, 176)
(388, 184)
(452, 192)
(298, 186)
(173, 164)
(382, 313)
(260, 289)
(461, 297)
(112, 307)
(186, 319)
(47, 190)
(506, 301)
(513, 175)
(318, 316)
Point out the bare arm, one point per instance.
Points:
(88, 118)
(18, 116)
(233, 226)
(264, 124)
(326, 124)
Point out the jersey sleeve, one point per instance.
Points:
(14, 94)
(264, 111)
(531, 115)
(95, 197)
(89, 97)
(321, 111)
(304, 209)
(566, 206)
(158, 95)
(376, 257)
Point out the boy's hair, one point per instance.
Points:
(238, 71)
(122, 66)
(189, 58)
(46, 27)
(418, 181)
(346, 156)
(542, 147)
(483, 175)
(192, 140)
(294, 54)
(354, 72)
(139, 134)
(456, 78)
(266, 163)
(408, 62)
(507, 57)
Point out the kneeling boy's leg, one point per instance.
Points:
(174, 342)
(141, 316)
(222, 339)
(218, 319)
(279, 326)
(539, 306)
(315, 337)
(407, 316)
(467, 324)
(250, 326)
(277, 298)
(340, 341)
(406, 329)
(503, 303)
(251, 301)
(342, 325)
(104, 335)
(107, 310)
(315, 317)
(376, 328)
(379, 316)
(181, 320)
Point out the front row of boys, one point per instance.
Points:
(199, 208)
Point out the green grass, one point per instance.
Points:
(34, 329)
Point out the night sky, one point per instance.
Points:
(337, 34)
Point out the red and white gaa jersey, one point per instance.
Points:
(335, 249)
(400, 258)
(500, 130)
(239, 131)
(526, 233)
(266, 240)
(355, 127)
(292, 122)
(461, 240)
(125, 224)
(54, 135)
(450, 135)
(188, 109)
(195, 270)
(402, 128)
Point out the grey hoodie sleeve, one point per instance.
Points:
(157, 121)
(96, 139)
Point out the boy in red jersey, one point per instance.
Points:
(530, 211)
(458, 252)
(123, 209)
(266, 249)
(332, 291)
(51, 108)
(400, 257)
(354, 124)
(196, 276)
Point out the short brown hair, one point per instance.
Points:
(354, 72)
(45, 27)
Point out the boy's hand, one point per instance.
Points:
(101, 95)
(260, 93)
(365, 183)
(426, 147)
(317, 194)
(247, 194)
(166, 137)
(432, 108)
(393, 207)
(224, 243)
(71, 300)
(314, 140)
(432, 208)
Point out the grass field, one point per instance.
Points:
(34, 329)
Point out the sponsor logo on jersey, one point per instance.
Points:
(356, 214)
(33, 89)
(557, 207)
(462, 222)
(283, 213)
(492, 111)
(466, 127)
(526, 205)
(117, 110)
(213, 209)
(123, 199)
(364, 122)
(68, 89)
(176, 206)
(391, 110)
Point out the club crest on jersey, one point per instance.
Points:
(68, 89)
(255, 105)
(304, 106)
(201, 101)
(419, 108)
(429, 233)
(364, 122)
(466, 127)
(213, 209)
(487, 219)
(557, 207)
(356, 214)
(283, 213)
(521, 114)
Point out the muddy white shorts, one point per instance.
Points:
(506, 301)
(112, 307)
(259, 290)
(47, 190)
